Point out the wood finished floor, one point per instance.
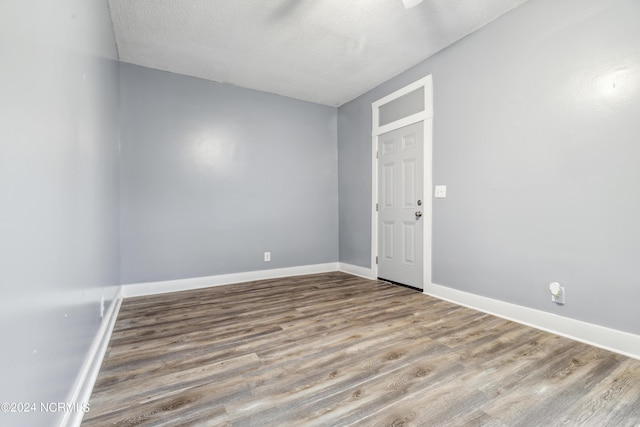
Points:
(338, 350)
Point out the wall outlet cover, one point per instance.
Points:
(559, 297)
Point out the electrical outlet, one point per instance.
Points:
(557, 292)
(558, 299)
(267, 257)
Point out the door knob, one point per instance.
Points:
(418, 214)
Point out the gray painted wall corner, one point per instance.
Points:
(214, 175)
(534, 135)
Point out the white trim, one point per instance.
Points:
(152, 288)
(625, 343)
(356, 270)
(400, 123)
(426, 117)
(374, 205)
(425, 81)
(86, 379)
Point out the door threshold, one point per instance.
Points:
(413, 288)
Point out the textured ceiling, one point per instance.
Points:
(323, 51)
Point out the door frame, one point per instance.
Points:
(426, 117)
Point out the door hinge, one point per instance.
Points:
(376, 207)
(377, 155)
(376, 259)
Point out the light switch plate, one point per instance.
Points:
(440, 192)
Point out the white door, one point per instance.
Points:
(400, 205)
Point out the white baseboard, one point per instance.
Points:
(152, 288)
(614, 340)
(367, 273)
(83, 386)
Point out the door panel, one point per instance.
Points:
(409, 182)
(388, 188)
(400, 187)
(409, 243)
(387, 241)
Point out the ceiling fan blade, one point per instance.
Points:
(410, 3)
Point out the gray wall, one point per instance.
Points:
(214, 175)
(58, 194)
(536, 136)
